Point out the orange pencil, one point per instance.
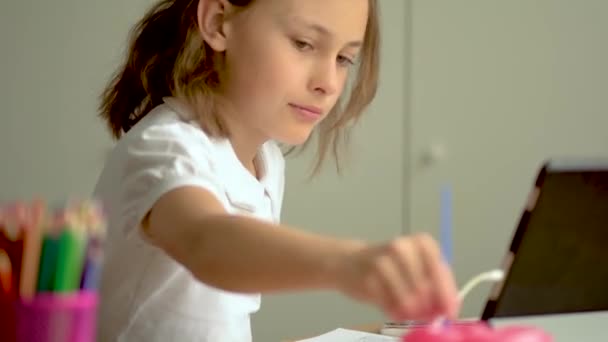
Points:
(32, 244)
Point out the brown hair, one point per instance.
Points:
(168, 57)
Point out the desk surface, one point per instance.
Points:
(371, 328)
(579, 327)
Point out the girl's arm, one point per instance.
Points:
(242, 254)
(405, 277)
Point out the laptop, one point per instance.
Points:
(557, 261)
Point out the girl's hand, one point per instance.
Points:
(407, 278)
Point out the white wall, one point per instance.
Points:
(56, 56)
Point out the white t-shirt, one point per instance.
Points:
(145, 294)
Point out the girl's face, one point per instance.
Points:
(287, 62)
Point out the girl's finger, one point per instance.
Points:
(444, 293)
(395, 289)
(406, 253)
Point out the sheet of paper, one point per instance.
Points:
(345, 335)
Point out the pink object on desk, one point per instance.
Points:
(57, 317)
(478, 332)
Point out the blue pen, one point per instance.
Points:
(446, 224)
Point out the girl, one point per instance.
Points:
(193, 189)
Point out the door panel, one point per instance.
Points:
(500, 86)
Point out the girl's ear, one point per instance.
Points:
(211, 16)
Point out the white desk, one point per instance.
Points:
(580, 327)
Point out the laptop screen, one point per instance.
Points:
(560, 249)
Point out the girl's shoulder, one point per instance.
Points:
(169, 120)
(170, 128)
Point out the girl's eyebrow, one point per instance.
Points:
(321, 30)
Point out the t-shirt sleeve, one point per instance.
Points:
(159, 159)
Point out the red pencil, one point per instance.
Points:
(6, 275)
(11, 244)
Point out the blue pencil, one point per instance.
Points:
(92, 267)
(446, 224)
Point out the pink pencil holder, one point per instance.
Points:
(55, 317)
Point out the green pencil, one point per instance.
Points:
(48, 263)
(69, 260)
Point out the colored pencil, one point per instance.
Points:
(69, 260)
(446, 224)
(60, 252)
(6, 275)
(32, 243)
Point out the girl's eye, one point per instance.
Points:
(302, 45)
(345, 61)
